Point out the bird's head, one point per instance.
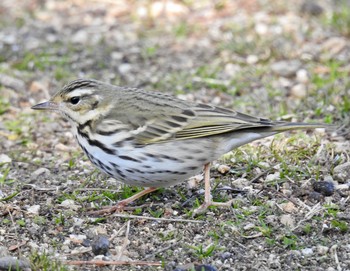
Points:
(80, 101)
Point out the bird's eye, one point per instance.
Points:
(74, 100)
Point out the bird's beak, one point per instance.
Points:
(46, 106)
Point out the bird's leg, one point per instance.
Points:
(121, 204)
(207, 194)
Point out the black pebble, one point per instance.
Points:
(100, 245)
(86, 243)
(323, 187)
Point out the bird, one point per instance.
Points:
(151, 139)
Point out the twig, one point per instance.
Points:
(97, 189)
(259, 234)
(36, 188)
(104, 263)
(125, 242)
(158, 219)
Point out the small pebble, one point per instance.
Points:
(70, 204)
(287, 220)
(325, 188)
(322, 250)
(298, 91)
(307, 252)
(34, 209)
(100, 245)
(311, 7)
(223, 169)
(289, 207)
(226, 255)
(5, 159)
(124, 68)
(86, 243)
(302, 76)
(252, 59)
(342, 172)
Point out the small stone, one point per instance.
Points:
(286, 68)
(342, 172)
(261, 28)
(249, 226)
(232, 70)
(325, 188)
(223, 169)
(34, 209)
(86, 243)
(100, 245)
(289, 207)
(40, 172)
(252, 59)
(287, 220)
(240, 183)
(124, 68)
(272, 177)
(62, 147)
(70, 204)
(298, 91)
(307, 252)
(226, 255)
(311, 7)
(322, 250)
(5, 159)
(302, 76)
(77, 238)
(194, 181)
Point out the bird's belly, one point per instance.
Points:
(154, 165)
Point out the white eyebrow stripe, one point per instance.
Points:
(80, 92)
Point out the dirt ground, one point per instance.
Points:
(277, 59)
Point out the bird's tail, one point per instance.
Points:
(286, 126)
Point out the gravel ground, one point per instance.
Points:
(267, 58)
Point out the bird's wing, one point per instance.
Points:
(198, 121)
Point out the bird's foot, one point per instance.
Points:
(107, 210)
(121, 204)
(204, 207)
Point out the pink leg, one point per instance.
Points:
(207, 194)
(121, 204)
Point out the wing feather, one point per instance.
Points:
(199, 121)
